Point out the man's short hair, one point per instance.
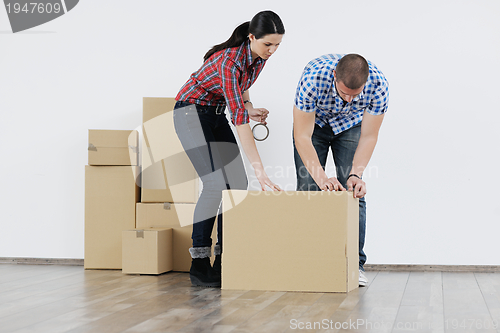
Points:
(352, 70)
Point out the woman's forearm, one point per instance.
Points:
(248, 143)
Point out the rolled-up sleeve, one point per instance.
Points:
(380, 101)
(229, 75)
(306, 94)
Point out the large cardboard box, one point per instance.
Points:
(111, 194)
(167, 172)
(147, 251)
(290, 241)
(179, 217)
(113, 147)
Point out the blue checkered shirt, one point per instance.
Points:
(316, 93)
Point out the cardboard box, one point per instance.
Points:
(290, 241)
(147, 251)
(179, 217)
(111, 194)
(113, 147)
(167, 172)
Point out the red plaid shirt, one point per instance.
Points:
(222, 79)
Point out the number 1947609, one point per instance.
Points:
(469, 324)
(34, 7)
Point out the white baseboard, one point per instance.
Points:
(432, 268)
(42, 261)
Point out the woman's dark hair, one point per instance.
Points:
(262, 24)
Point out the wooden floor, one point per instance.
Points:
(49, 298)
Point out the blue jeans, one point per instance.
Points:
(343, 147)
(211, 146)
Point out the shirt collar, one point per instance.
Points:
(336, 94)
(251, 61)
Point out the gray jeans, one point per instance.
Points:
(211, 146)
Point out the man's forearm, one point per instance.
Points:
(364, 152)
(310, 159)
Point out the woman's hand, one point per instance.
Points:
(265, 181)
(258, 114)
(248, 143)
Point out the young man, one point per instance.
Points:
(339, 105)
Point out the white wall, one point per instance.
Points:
(433, 191)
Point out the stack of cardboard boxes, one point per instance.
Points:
(111, 193)
(153, 236)
(169, 183)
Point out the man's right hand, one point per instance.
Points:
(331, 184)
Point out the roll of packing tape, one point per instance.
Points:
(253, 132)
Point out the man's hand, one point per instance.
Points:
(356, 185)
(331, 184)
(258, 114)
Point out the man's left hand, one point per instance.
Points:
(357, 186)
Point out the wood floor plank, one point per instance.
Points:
(32, 316)
(377, 309)
(118, 292)
(281, 320)
(108, 295)
(247, 306)
(67, 321)
(170, 321)
(208, 302)
(489, 284)
(20, 299)
(421, 308)
(234, 312)
(16, 272)
(259, 319)
(27, 278)
(331, 308)
(297, 298)
(133, 315)
(209, 322)
(100, 314)
(43, 295)
(278, 314)
(316, 317)
(34, 287)
(465, 308)
(270, 315)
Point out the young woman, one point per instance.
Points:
(228, 71)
